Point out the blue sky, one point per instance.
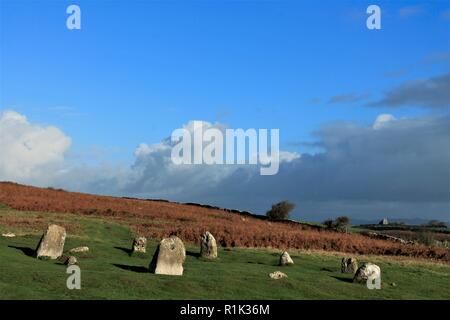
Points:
(139, 69)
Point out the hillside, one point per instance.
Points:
(156, 219)
(109, 272)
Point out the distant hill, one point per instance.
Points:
(410, 221)
(157, 219)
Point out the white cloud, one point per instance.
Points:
(26, 149)
(142, 150)
(382, 120)
(286, 156)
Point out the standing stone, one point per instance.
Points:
(52, 242)
(285, 259)
(349, 265)
(139, 245)
(71, 261)
(208, 246)
(366, 271)
(169, 257)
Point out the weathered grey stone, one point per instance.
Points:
(79, 249)
(285, 259)
(71, 261)
(277, 275)
(349, 265)
(139, 245)
(208, 246)
(169, 257)
(366, 271)
(8, 235)
(51, 244)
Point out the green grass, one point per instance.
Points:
(108, 272)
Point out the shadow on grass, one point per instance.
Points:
(126, 250)
(343, 279)
(26, 251)
(276, 254)
(139, 269)
(193, 254)
(258, 262)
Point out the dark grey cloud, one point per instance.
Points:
(313, 101)
(348, 98)
(446, 15)
(400, 169)
(437, 57)
(364, 170)
(433, 93)
(396, 73)
(409, 11)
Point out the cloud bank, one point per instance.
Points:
(431, 93)
(392, 167)
(29, 152)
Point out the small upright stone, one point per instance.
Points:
(71, 261)
(208, 246)
(139, 245)
(285, 259)
(169, 257)
(349, 265)
(366, 271)
(51, 244)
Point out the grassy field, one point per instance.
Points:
(108, 272)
